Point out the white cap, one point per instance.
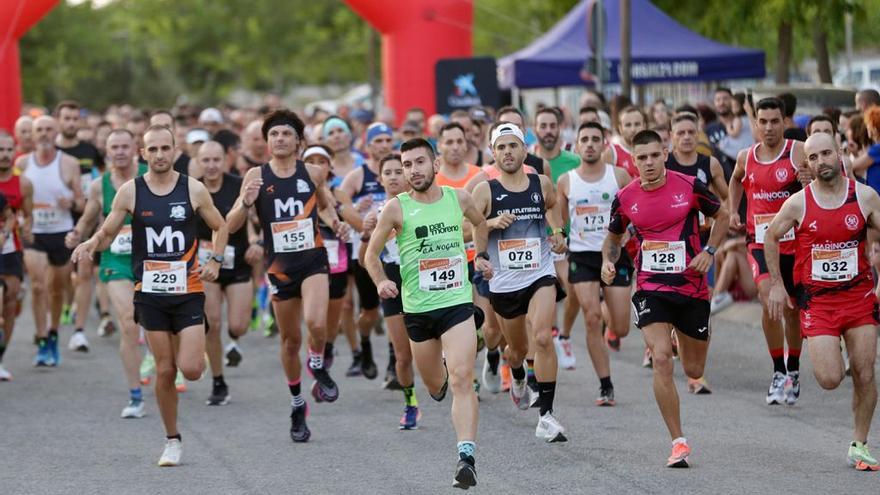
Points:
(197, 135)
(211, 116)
(316, 150)
(605, 120)
(507, 129)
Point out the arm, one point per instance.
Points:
(89, 216)
(710, 206)
(351, 185)
(123, 204)
(481, 231)
(622, 176)
(70, 169)
(719, 187)
(788, 217)
(390, 219)
(27, 209)
(552, 217)
(861, 164)
(608, 156)
(250, 190)
(799, 160)
(617, 227)
(205, 208)
(475, 181)
(348, 211)
(735, 190)
(562, 197)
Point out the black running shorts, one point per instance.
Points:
(422, 327)
(688, 315)
(511, 305)
(169, 313)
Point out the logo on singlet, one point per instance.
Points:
(288, 208)
(536, 198)
(813, 226)
(852, 222)
(167, 240)
(302, 186)
(178, 212)
(781, 174)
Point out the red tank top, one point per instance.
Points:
(830, 259)
(14, 197)
(767, 185)
(624, 160)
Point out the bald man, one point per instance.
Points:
(24, 140)
(183, 163)
(831, 217)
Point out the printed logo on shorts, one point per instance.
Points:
(781, 174)
(852, 222)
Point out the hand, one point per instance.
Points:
(254, 254)
(65, 203)
(701, 262)
(84, 250)
(387, 289)
(251, 191)
(501, 221)
(342, 229)
(27, 236)
(210, 271)
(484, 266)
(777, 301)
(735, 222)
(370, 222)
(608, 272)
(364, 203)
(72, 239)
(557, 243)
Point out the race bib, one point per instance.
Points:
(47, 216)
(293, 236)
(663, 256)
(762, 223)
(441, 273)
(206, 251)
(592, 218)
(520, 254)
(332, 247)
(122, 242)
(164, 277)
(834, 265)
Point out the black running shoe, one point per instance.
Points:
(465, 474)
(355, 368)
(233, 356)
(368, 366)
(391, 382)
(328, 355)
(219, 395)
(299, 432)
(324, 389)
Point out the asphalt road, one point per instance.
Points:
(60, 431)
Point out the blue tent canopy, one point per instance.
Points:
(662, 51)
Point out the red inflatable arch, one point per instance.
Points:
(16, 17)
(415, 35)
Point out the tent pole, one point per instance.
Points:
(625, 48)
(515, 97)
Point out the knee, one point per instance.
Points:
(193, 370)
(165, 373)
(460, 379)
(544, 339)
(829, 381)
(693, 370)
(662, 362)
(290, 344)
(862, 375)
(593, 318)
(38, 285)
(620, 329)
(516, 352)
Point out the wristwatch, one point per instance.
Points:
(484, 255)
(710, 250)
(218, 258)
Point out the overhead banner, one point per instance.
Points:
(463, 83)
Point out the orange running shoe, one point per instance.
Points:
(504, 371)
(679, 457)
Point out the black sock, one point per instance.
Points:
(563, 337)
(53, 333)
(218, 381)
(2, 351)
(779, 364)
(494, 357)
(546, 393)
(605, 383)
(78, 330)
(172, 437)
(328, 349)
(518, 373)
(105, 314)
(794, 362)
(295, 389)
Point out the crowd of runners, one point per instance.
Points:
(472, 240)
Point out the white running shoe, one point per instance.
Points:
(794, 389)
(134, 409)
(78, 342)
(106, 328)
(171, 454)
(519, 394)
(549, 429)
(5, 376)
(648, 361)
(721, 301)
(564, 353)
(492, 381)
(776, 394)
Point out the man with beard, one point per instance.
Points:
(512, 115)
(725, 149)
(548, 121)
(182, 161)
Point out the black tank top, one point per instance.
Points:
(164, 229)
(370, 185)
(223, 199)
(701, 169)
(288, 212)
(535, 162)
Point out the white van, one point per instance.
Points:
(865, 74)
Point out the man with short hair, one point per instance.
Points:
(24, 135)
(253, 148)
(514, 116)
(631, 121)
(792, 131)
(825, 124)
(717, 131)
(181, 158)
(867, 98)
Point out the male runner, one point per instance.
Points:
(182, 161)
(233, 283)
(585, 196)
(24, 135)
(57, 194)
(253, 148)
(824, 123)
(18, 192)
(169, 299)
(672, 293)
(452, 145)
(831, 217)
(519, 208)
(287, 194)
(115, 267)
(512, 115)
(437, 298)
(768, 173)
(631, 121)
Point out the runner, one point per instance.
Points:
(115, 267)
(287, 195)
(831, 217)
(391, 176)
(182, 161)
(253, 148)
(512, 115)
(672, 293)
(168, 299)
(24, 135)
(18, 192)
(233, 283)
(631, 121)
(48, 260)
(767, 173)
(437, 298)
(585, 196)
(520, 208)
(824, 123)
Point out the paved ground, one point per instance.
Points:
(60, 431)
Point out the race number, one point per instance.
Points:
(520, 254)
(834, 265)
(592, 218)
(293, 235)
(164, 277)
(441, 273)
(663, 256)
(48, 217)
(762, 223)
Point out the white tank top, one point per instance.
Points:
(49, 187)
(589, 208)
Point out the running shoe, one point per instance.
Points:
(793, 392)
(134, 409)
(860, 458)
(698, 386)
(53, 350)
(299, 431)
(179, 382)
(219, 395)
(492, 381)
(648, 360)
(5, 375)
(465, 474)
(504, 372)
(776, 394)
(549, 429)
(106, 328)
(481, 340)
(679, 457)
(270, 329)
(532, 382)
(329, 354)
(519, 394)
(720, 302)
(171, 454)
(148, 368)
(410, 419)
(324, 389)
(368, 366)
(78, 342)
(67, 315)
(355, 368)
(612, 340)
(564, 353)
(391, 382)
(233, 355)
(44, 355)
(606, 397)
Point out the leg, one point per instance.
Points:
(588, 295)
(238, 304)
(191, 352)
(514, 330)
(428, 356)
(166, 395)
(862, 345)
(693, 354)
(827, 361)
(37, 264)
(10, 303)
(315, 295)
(460, 345)
(213, 344)
(83, 291)
(400, 341)
(288, 314)
(542, 310)
(772, 329)
(659, 340)
(619, 309)
(59, 279)
(120, 293)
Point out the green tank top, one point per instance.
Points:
(433, 263)
(118, 256)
